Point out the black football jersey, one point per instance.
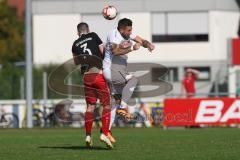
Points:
(87, 44)
(88, 47)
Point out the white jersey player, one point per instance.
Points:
(119, 43)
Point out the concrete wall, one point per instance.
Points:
(53, 36)
(95, 6)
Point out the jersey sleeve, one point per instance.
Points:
(98, 40)
(74, 48)
(112, 38)
(132, 36)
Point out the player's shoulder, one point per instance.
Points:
(94, 34)
(76, 41)
(113, 33)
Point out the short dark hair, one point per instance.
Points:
(122, 23)
(82, 27)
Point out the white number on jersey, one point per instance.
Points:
(85, 49)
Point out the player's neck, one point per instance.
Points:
(82, 33)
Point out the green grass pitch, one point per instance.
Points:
(132, 144)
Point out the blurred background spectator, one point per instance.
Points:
(188, 82)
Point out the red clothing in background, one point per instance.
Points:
(188, 83)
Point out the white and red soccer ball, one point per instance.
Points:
(109, 12)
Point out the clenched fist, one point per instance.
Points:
(151, 47)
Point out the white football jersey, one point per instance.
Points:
(115, 37)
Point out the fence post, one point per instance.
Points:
(22, 93)
(69, 88)
(45, 97)
(216, 85)
(171, 79)
(45, 90)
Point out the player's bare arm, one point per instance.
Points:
(119, 49)
(144, 43)
(101, 48)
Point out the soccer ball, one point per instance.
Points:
(109, 12)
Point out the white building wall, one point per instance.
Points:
(98, 24)
(53, 36)
(184, 51)
(223, 27)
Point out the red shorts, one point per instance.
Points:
(95, 87)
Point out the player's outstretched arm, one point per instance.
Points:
(144, 43)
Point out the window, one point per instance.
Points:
(159, 24)
(187, 23)
(180, 38)
(171, 76)
(180, 27)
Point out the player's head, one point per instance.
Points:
(82, 28)
(125, 27)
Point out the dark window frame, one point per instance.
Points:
(161, 38)
(201, 68)
(180, 38)
(166, 77)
